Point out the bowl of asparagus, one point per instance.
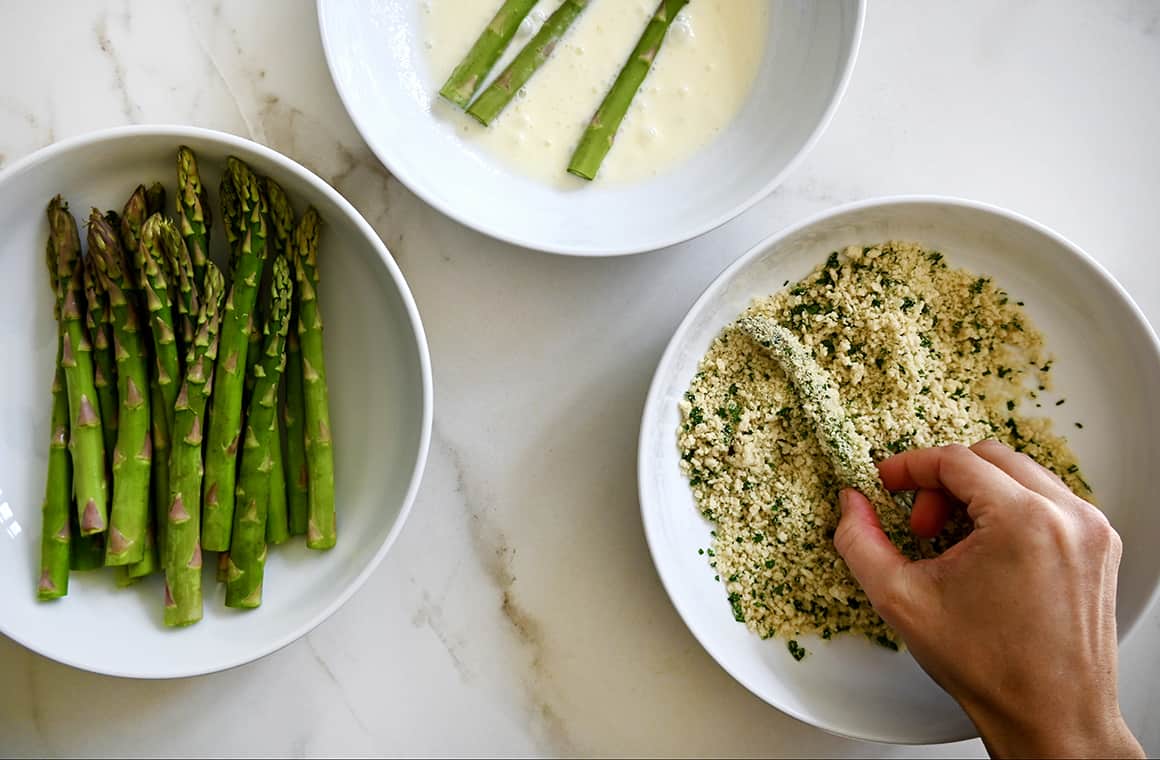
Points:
(591, 127)
(192, 476)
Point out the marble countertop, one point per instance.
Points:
(519, 612)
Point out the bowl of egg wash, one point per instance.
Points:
(591, 127)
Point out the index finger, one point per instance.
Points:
(958, 470)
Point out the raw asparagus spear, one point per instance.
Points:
(225, 421)
(320, 529)
(155, 199)
(134, 453)
(86, 439)
(104, 362)
(156, 248)
(54, 530)
(601, 131)
(132, 218)
(293, 420)
(474, 68)
(500, 92)
(281, 231)
(193, 213)
(248, 546)
(182, 558)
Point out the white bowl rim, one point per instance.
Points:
(182, 132)
(429, 196)
(652, 406)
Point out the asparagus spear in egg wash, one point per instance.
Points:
(248, 542)
(86, 438)
(133, 456)
(320, 529)
(181, 555)
(246, 226)
(500, 92)
(601, 131)
(481, 59)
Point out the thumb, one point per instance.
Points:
(876, 563)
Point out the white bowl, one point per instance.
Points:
(380, 393)
(375, 52)
(1108, 367)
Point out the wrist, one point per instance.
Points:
(1036, 732)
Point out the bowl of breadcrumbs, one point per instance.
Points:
(876, 328)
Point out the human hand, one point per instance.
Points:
(1017, 621)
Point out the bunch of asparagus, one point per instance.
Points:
(598, 137)
(169, 412)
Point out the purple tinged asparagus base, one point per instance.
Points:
(601, 131)
(182, 557)
(86, 439)
(132, 459)
(246, 568)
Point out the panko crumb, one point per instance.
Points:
(923, 354)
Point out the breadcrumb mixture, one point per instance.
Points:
(922, 354)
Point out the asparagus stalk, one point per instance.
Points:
(104, 361)
(248, 547)
(182, 558)
(193, 213)
(225, 423)
(293, 421)
(281, 231)
(184, 288)
(54, 531)
(320, 529)
(132, 218)
(278, 519)
(86, 439)
(134, 453)
(500, 92)
(481, 59)
(601, 131)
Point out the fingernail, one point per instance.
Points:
(844, 499)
